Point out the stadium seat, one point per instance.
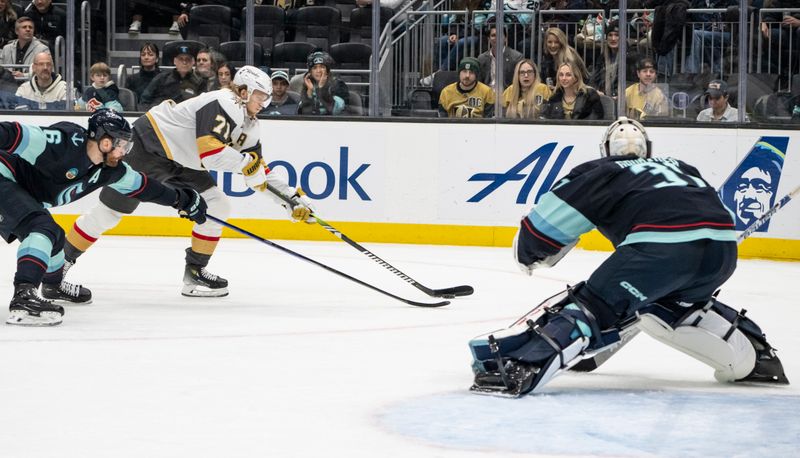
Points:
(269, 25)
(291, 55)
(441, 79)
(318, 25)
(354, 105)
(361, 23)
(210, 24)
(609, 107)
(345, 7)
(352, 56)
(235, 52)
(128, 99)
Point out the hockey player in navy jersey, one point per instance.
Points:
(43, 167)
(179, 144)
(675, 245)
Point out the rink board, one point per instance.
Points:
(449, 183)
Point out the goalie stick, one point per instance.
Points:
(317, 263)
(455, 291)
(767, 216)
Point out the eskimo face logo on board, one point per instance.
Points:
(540, 157)
(750, 191)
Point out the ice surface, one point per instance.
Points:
(297, 362)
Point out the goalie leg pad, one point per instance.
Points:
(708, 336)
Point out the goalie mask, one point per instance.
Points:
(626, 136)
(254, 79)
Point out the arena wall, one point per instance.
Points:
(449, 183)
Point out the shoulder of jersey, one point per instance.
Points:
(229, 102)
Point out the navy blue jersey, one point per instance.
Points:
(629, 200)
(52, 165)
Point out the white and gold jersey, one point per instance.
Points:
(206, 132)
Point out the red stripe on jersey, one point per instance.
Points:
(211, 153)
(141, 188)
(205, 237)
(33, 260)
(7, 164)
(680, 226)
(83, 234)
(18, 139)
(527, 224)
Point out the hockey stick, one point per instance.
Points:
(455, 291)
(767, 216)
(328, 268)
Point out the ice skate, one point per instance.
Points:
(29, 309)
(198, 282)
(66, 293)
(768, 367)
(514, 380)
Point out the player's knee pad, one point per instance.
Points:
(99, 219)
(218, 206)
(712, 333)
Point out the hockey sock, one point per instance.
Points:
(203, 245)
(197, 259)
(33, 258)
(55, 269)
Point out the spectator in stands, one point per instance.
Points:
(322, 93)
(573, 99)
(103, 93)
(710, 36)
(46, 90)
(9, 13)
(527, 94)
(604, 76)
(225, 74)
(180, 84)
(719, 109)
(459, 38)
(22, 50)
(206, 66)
(283, 101)
(645, 98)
(782, 32)
(160, 12)
(558, 50)
(148, 69)
(488, 63)
(50, 21)
(467, 97)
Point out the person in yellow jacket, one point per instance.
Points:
(527, 94)
(467, 97)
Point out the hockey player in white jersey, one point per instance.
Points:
(675, 246)
(178, 145)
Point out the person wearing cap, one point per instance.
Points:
(322, 93)
(719, 109)
(467, 97)
(178, 85)
(284, 102)
(645, 98)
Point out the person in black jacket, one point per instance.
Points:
(177, 85)
(148, 69)
(322, 93)
(49, 21)
(573, 99)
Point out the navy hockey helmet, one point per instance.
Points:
(320, 57)
(107, 122)
(626, 136)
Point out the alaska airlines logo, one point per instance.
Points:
(540, 157)
(751, 189)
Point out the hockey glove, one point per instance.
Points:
(253, 170)
(190, 205)
(301, 210)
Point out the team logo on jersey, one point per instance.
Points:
(72, 173)
(751, 189)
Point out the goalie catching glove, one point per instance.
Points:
(301, 210)
(253, 169)
(190, 205)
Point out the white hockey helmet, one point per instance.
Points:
(254, 79)
(626, 136)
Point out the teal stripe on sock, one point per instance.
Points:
(36, 245)
(56, 262)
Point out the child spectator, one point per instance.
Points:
(645, 98)
(284, 102)
(103, 93)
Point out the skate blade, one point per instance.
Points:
(199, 291)
(63, 302)
(497, 392)
(22, 318)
